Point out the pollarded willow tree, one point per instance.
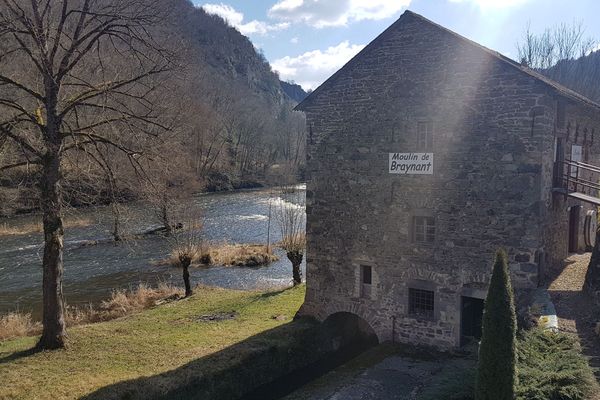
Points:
(76, 77)
(290, 213)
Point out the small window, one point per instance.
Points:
(420, 303)
(366, 278)
(424, 229)
(425, 136)
(365, 271)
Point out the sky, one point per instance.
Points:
(307, 41)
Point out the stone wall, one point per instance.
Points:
(492, 125)
(579, 126)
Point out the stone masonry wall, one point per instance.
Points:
(493, 126)
(580, 126)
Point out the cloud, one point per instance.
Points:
(236, 19)
(492, 4)
(327, 13)
(312, 68)
(295, 40)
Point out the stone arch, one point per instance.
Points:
(425, 273)
(363, 317)
(350, 331)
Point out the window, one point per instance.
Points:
(424, 229)
(366, 274)
(420, 303)
(366, 278)
(425, 136)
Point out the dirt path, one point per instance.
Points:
(576, 312)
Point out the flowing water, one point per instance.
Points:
(93, 271)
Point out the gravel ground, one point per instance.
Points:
(577, 314)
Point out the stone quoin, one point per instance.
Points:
(410, 253)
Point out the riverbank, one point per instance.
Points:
(165, 351)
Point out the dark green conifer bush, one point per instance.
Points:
(496, 372)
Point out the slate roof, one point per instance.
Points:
(557, 87)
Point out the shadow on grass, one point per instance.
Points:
(18, 355)
(233, 372)
(266, 295)
(266, 366)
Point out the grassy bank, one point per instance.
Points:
(158, 351)
(121, 303)
(36, 227)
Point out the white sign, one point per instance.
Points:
(411, 163)
(576, 153)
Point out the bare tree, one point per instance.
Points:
(188, 246)
(73, 74)
(291, 218)
(561, 42)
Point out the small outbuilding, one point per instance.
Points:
(426, 153)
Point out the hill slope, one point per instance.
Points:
(294, 91)
(581, 75)
(231, 122)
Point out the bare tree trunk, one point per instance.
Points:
(54, 333)
(186, 277)
(168, 229)
(296, 258)
(116, 233)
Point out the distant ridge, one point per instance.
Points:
(294, 91)
(581, 75)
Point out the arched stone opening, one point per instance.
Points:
(349, 331)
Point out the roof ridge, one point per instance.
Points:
(561, 89)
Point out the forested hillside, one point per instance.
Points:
(224, 120)
(294, 91)
(566, 54)
(581, 75)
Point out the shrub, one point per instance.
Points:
(17, 324)
(496, 374)
(227, 254)
(241, 255)
(552, 368)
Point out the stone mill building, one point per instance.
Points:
(426, 153)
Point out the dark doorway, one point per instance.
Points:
(470, 320)
(574, 229)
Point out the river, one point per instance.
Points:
(93, 272)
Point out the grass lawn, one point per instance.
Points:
(150, 347)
